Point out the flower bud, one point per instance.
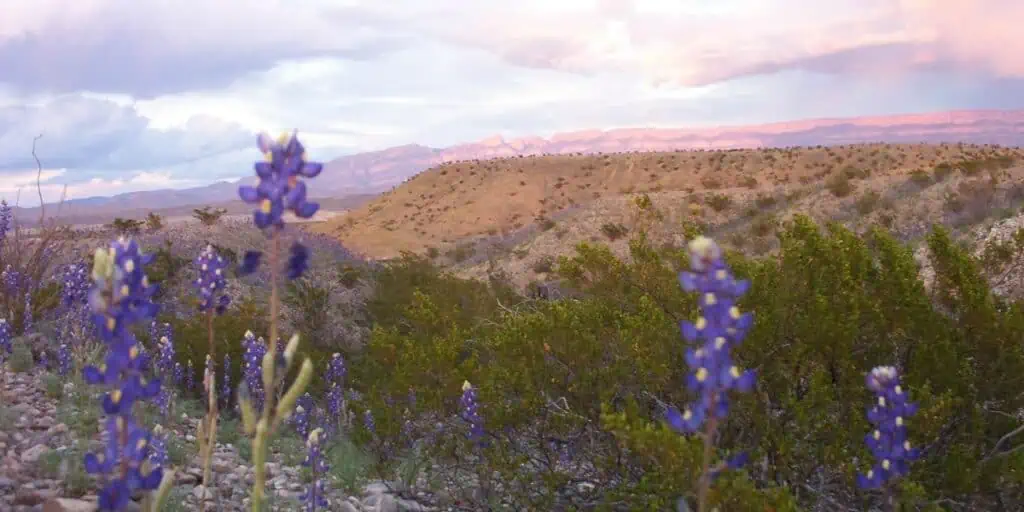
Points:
(287, 403)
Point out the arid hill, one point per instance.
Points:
(506, 202)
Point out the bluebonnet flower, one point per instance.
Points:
(158, 447)
(298, 260)
(6, 336)
(314, 497)
(888, 440)
(252, 373)
(279, 188)
(6, 216)
(368, 422)
(121, 295)
(471, 412)
(719, 328)
(63, 359)
(336, 369)
(27, 323)
(12, 280)
(211, 280)
(74, 285)
(165, 363)
(335, 400)
(190, 377)
(179, 375)
(225, 382)
(300, 420)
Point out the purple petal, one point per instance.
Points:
(248, 194)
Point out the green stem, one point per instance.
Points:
(260, 447)
(705, 477)
(211, 415)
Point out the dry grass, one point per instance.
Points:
(450, 206)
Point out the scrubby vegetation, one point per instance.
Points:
(482, 398)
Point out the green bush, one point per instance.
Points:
(828, 308)
(191, 340)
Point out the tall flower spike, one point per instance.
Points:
(6, 335)
(279, 188)
(888, 441)
(314, 497)
(719, 327)
(471, 412)
(120, 296)
(211, 280)
(6, 215)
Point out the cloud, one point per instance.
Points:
(21, 188)
(160, 94)
(685, 44)
(158, 47)
(84, 132)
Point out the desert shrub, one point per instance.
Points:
(855, 173)
(763, 201)
(309, 306)
(461, 252)
(921, 178)
(829, 306)
(208, 216)
(839, 185)
(942, 171)
(154, 222)
(191, 337)
(867, 202)
(544, 264)
(719, 202)
(614, 231)
(126, 227)
(21, 359)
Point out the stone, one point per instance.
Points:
(32, 455)
(381, 503)
(202, 493)
(69, 505)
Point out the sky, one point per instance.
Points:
(133, 95)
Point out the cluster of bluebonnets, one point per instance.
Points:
(107, 300)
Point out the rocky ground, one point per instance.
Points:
(40, 465)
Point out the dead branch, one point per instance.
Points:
(39, 180)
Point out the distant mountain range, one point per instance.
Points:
(376, 171)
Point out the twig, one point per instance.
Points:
(39, 180)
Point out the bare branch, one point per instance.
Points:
(39, 180)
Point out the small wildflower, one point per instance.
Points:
(225, 382)
(720, 327)
(64, 360)
(211, 280)
(6, 335)
(314, 497)
(298, 261)
(279, 187)
(470, 411)
(888, 440)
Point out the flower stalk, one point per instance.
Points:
(279, 189)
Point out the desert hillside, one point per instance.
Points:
(507, 202)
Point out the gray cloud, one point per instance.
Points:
(90, 133)
(147, 49)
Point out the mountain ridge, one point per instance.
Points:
(377, 171)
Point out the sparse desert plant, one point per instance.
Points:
(154, 222)
(840, 185)
(614, 231)
(126, 227)
(208, 215)
(719, 202)
(867, 202)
